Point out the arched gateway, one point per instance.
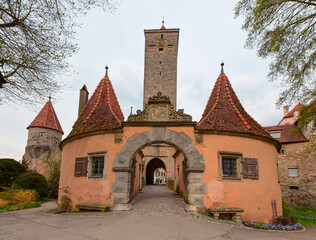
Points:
(195, 163)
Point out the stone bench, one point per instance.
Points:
(235, 212)
(90, 207)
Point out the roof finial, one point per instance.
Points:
(106, 71)
(222, 69)
(163, 24)
(49, 97)
(131, 111)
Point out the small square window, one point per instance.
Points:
(229, 166)
(282, 151)
(292, 172)
(97, 165)
(160, 49)
(276, 134)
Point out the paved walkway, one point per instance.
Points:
(157, 214)
(158, 200)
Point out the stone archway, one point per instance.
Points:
(152, 165)
(195, 163)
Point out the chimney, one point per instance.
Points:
(83, 98)
(286, 110)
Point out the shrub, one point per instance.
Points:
(9, 171)
(65, 201)
(32, 180)
(3, 202)
(20, 197)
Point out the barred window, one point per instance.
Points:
(97, 166)
(229, 167)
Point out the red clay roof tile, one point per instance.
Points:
(291, 113)
(102, 111)
(286, 135)
(47, 118)
(224, 112)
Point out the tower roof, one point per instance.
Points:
(224, 112)
(47, 118)
(102, 111)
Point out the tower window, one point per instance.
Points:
(292, 172)
(160, 73)
(161, 36)
(160, 62)
(160, 49)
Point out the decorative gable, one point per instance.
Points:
(159, 108)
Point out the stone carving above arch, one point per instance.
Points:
(195, 163)
(159, 108)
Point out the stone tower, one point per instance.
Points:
(44, 136)
(161, 55)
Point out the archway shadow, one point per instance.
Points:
(150, 169)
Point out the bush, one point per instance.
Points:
(65, 201)
(32, 180)
(20, 197)
(9, 171)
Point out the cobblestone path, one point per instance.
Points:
(158, 200)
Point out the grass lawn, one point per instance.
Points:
(305, 215)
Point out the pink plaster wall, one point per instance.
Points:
(179, 159)
(288, 120)
(254, 196)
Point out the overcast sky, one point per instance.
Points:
(209, 34)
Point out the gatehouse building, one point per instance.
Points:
(226, 161)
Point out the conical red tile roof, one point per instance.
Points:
(102, 111)
(225, 113)
(47, 118)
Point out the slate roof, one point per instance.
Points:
(225, 113)
(47, 118)
(102, 111)
(286, 136)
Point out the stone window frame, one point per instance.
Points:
(235, 155)
(91, 155)
(293, 167)
(282, 150)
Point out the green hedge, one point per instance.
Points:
(32, 180)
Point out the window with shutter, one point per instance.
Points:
(81, 166)
(229, 166)
(97, 165)
(250, 168)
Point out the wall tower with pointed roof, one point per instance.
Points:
(44, 136)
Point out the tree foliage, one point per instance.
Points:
(36, 38)
(285, 31)
(52, 164)
(9, 171)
